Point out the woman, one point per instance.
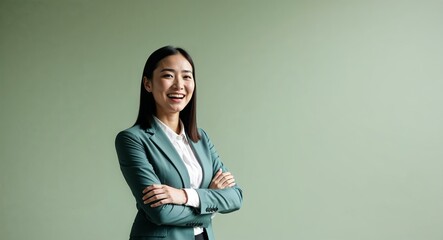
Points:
(171, 166)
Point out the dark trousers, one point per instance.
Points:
(202, 236)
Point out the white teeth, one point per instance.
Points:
(176, 95)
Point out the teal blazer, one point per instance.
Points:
(147, 157)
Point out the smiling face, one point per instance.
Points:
(172, 85)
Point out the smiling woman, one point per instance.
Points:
(172, 86)
(171, 166)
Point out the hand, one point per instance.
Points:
(158, 195)
(222, 180)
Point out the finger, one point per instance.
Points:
(161, 202)
(155, 197)
(219, 176)
(229, 182)
(158, 197)
(152, 187)
(226, 175)
(153, 193)
(226, 178)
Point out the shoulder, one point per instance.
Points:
(204, 137)
(134, 133)
(136, 129)
(202, 133)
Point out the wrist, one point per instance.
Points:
(185, 196)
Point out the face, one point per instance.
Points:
(172, 85)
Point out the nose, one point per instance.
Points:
(179, 83)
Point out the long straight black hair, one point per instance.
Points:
(147, 103)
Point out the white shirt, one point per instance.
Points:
(195, 172)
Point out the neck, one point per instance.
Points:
(172, 121)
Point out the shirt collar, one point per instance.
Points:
(173, 136)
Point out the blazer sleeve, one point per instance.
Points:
(218, 200)
(139, 173)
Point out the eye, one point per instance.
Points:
(167, 75)
(187, 77)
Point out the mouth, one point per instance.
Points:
(176, 96)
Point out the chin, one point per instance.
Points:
(177, 110)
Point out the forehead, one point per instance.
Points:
(176, 62)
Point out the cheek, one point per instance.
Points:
(191, 87)
(160, 88)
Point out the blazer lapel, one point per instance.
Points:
(160, 139)
(204, 162)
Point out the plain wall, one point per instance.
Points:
(329, 113)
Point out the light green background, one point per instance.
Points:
(329, 113)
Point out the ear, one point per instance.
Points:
(148, 84)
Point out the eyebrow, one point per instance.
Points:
(172, 70)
